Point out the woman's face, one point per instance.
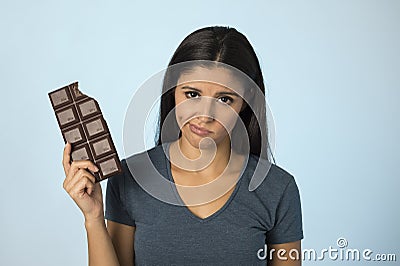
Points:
(206, 109)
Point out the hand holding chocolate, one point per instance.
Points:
(82, 124)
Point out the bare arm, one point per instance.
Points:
(122, 237)
(80, 184)
(287, 254)
(100, 247)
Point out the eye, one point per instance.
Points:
(226, 99)
(191, 94)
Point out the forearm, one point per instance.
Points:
(100, 247)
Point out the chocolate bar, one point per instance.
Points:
(82, 124)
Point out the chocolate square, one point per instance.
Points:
(74, 134)
(67, 116)
(95, 127)
(60, 97)
(81, 152)
(88, 108)
(109, 167)
(102, 146)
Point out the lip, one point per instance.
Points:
(201, 131)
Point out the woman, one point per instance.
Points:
(211, 140)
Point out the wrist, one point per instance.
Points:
(94, 222)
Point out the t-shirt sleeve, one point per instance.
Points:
(288, 225)
(116, 201)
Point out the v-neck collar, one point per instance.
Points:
(189, 212)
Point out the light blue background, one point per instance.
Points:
(332, 74)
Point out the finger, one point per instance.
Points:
(91, 189)
(76, 179)
(84, 164)
(76, 165)
(67, 158)
(73, 179)
(81, 187)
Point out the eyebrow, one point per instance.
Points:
(218, 93)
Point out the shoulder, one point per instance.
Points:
(273, 173)
(142, 163)
(272, 180)
(153, 155)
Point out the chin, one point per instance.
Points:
(205, 143)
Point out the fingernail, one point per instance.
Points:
(96, 169)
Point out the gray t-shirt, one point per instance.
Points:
(168, 234)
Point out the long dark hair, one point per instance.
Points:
(228, 46)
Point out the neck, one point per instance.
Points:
(208, 162)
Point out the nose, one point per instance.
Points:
(207, 109)
(205, 118)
